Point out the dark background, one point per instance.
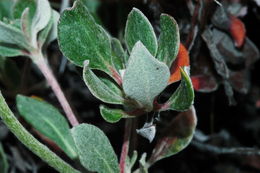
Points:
(226, 126)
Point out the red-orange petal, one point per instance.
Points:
(181, 60)
(237, 30)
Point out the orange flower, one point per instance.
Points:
(181, 60)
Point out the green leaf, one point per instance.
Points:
(7, 51)
(183, 97)
(13, 36)
(169, 40)
(49, 33)
(138, 28)
(119, 58)
(145, 77)
(176, 136)
(3, 161)
(16, 23)
(94, 149)
(21, 5)
(80, 39)
(40, 19)
(47, 120)
(112, 115)
(26, 24)
(102, 88)
(5, 9)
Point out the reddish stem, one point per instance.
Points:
(125, 147)
(42, 64)
(116, 76)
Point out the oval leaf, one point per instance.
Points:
(112, 115)
(145, 77)
(176, 136)
(102, 88)
(138, 28)
(80, 38)
(183, 97)
(48, 121)
(94, 149)
(169, 40)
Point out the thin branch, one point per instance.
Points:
(125, 147)
(225, 150)
(42, 64)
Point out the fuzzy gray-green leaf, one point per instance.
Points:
(104, 89)
(138, 28)
(48, 30)
(13, 36)
(5, 8)
(112, 115)
(81, 38)
(26, 24)
(47, 120)
(169, 40)
(40, 19)
(94, 149)
(145, 77)
(10, 51)
(21, 5)
(183, 97)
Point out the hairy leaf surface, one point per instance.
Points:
(145, 77)
(94, 149)
(169, 40)
(47, 120)
(138, 28)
